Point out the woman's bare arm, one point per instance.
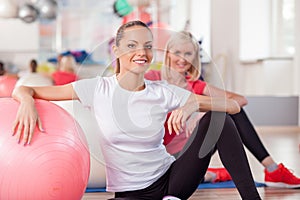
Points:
(51, 93)
(202, 103)
(220, 104)
(213, 91)
(27, 117)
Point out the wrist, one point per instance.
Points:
(23, 94)
(27, 99)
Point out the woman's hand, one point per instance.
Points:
(232, 106)
(27, 117)
(192, 123)
(178, 117)
(26, 120)
(177, 120)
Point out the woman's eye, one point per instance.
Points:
(177, 53)
(148, 46)
(188, 53)
(131, 45)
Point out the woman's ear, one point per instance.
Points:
(167, 59)
(115, 49)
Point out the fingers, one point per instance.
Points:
(40, 125)
(169, 126)
(32, 127)
(30, 134)
(233, 107)
(24, 131)
(25, 134)
(188, 132)
(18, 132)
(15, 123)
(26, 120)
(176, 122)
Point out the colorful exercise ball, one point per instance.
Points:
(8, 9)
(47, 9)
(122, 8)
(28, 13)
(89, 125)
(7, 85)
(56, 163)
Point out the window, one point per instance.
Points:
(267, 29)
(284, 29)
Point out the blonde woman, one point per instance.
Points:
(182, 67)
(66, 71)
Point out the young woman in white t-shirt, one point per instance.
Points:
(130, 112)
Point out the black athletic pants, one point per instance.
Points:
(215, 130)
(249, 135)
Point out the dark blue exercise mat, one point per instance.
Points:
(226, 184)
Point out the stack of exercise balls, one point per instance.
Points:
(45, 10)
(54, 166)
(28, 13)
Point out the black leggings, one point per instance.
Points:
(249, 135)
(184, 175)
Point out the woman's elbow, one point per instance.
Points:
(244, 102)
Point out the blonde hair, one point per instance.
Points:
(67, 63)
(194, 71)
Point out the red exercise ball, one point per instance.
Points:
(54, 166)
(7, 85)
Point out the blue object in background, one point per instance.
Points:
(226, 184)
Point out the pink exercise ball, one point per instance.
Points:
(88, 123)
(7, 85)
(54, 166)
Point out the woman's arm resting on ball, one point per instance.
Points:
(27, 117)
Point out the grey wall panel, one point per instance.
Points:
(273, 111)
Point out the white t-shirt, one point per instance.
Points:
(132, 128)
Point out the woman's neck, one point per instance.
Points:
(176, 78)
(131, 81)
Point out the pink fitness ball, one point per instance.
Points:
(54, 166)
(7, 85)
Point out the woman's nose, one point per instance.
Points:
(141, 51)
(182, 58)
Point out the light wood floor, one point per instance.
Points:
(283, 145)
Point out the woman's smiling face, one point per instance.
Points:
(181, 56)
(135, 49)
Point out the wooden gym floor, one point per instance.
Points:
(283, 145)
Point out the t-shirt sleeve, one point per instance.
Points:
(85, 90)
(179, 96)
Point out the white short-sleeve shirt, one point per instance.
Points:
(132, 128)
